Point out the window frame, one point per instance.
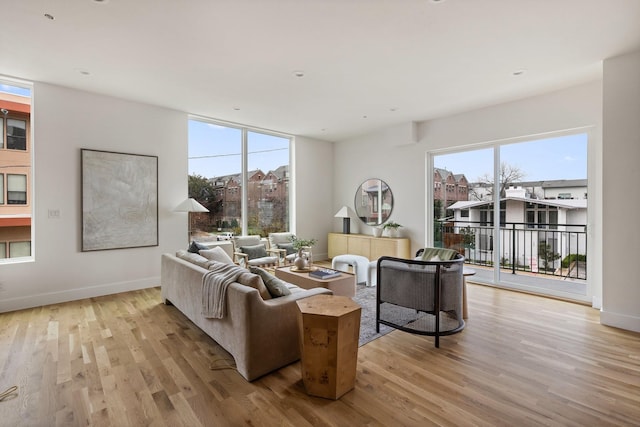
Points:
(24, 138)
(242, 187)
(16, 93)
(25, 191)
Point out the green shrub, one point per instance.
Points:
(573, 257)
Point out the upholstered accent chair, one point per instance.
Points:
(421, 295)
(282, 243)
(254, 251)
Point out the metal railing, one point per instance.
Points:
(550, 249)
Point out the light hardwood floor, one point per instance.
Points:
(129, 360)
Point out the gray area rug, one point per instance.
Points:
(366, 297)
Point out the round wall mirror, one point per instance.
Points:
(374, 202)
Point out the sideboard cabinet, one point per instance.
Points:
(368, 246)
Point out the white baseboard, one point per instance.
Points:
(39, 300)
(622, 321)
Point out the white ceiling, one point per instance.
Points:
(367, 63)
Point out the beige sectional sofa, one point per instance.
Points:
(261, 334)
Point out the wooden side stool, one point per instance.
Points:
(329, 328)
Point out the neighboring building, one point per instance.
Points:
(449, 188)
(545, 190)
(526, 224)
(15, 176)
(268, 202)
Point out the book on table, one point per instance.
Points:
(324, 273)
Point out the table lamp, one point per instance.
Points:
(190, 205)
(346, 219)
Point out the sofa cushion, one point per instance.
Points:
(193, 258)
(216, 254)
(255, 251)
(277, 288)
(195, 247)
(288, 247)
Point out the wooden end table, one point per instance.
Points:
(329, 328)
(343, 285)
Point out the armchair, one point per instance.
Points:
(282, 243)
(253, 251)
(419, 296)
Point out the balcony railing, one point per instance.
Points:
(550, 249)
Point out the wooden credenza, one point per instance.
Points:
(368, 246)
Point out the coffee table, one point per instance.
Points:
(343, 285)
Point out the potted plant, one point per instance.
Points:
(391, 228)
(303, 247)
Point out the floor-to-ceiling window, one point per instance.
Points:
(241, 175)
(16, 148)
(518, 212)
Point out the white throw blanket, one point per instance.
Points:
(214, 288)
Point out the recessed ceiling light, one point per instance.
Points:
(49, 16)
(83, 71)
(298, 73)
(236, 108)
(364, 117)
(393, 109)
(519, 72)
(100, 1)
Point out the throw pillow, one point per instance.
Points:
(277, 288)
(217, 254)
(196, 247)
(443, 253)
(256, 251)
(287, 246)
(254, 281)
(193, 258)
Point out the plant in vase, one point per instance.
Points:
(303, 247)
(391, 228)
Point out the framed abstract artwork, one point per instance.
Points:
(119, 200)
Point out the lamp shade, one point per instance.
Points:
(342, 213)
(190, 205)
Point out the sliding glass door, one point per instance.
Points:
(518, 212)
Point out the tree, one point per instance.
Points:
(437, 208)
(201, 189)
(509, 174)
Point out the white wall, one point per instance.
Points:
(67, 120)
(621, 241)
(64, 122)
(387, 155)
(313, 189)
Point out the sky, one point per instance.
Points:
(562, 157)
(215, 150)
(14, 90)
